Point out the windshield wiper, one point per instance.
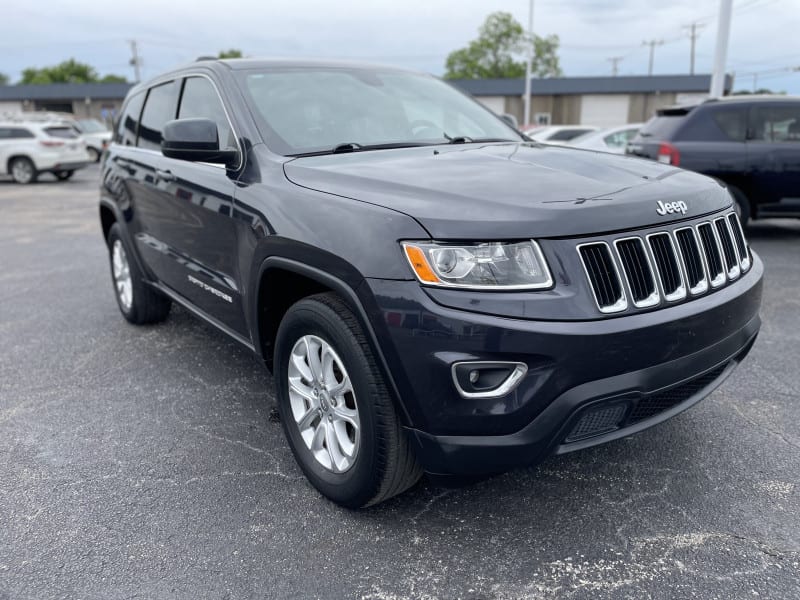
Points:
(347, 147)
(459, 139)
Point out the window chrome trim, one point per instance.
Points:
(620, 304)
(653, 299)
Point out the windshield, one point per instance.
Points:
(313, 109)
(91, 126)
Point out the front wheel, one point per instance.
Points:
(336, 412)
(94, 154)
(740, 204)
(64, 175)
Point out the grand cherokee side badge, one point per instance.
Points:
(671, 207)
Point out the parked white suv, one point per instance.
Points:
(96, 134)
(28, 149)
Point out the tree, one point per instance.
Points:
(68, 71)
(499, 51)
(231, 53)
(3, 79)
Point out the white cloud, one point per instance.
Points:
(412, 33)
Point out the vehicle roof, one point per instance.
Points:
(737, 99)
(241, 64)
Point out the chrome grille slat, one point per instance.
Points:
(729, 252)
(713, 254)
(670, 264)
(692, 259)
(738, 237)
(667, 267)
(637, 271)
(601, 270)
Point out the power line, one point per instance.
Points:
(693, 35)
(135, 60)
(652, 44)
(614, 60)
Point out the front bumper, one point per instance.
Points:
(680, 352)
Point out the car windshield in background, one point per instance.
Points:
(67, 133)
(91, 126)
(310, 110)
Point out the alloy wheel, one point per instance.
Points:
(122, 275)
(323, 403)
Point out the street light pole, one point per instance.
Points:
(528, 68)
(721, 52)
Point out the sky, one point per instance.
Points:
(417, 34)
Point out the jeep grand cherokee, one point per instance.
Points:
(432, 292)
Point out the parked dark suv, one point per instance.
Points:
(431, 292)
(751, 143)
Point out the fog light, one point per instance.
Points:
(487, 379)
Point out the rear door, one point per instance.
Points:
(774, 150)
(186, 232)
(713, 141)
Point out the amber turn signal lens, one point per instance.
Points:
(420, 265)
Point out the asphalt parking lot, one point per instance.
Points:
(143, 463)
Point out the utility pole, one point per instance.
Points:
(652, 44)
(135, 61)
(614, 60)
(693, 35)
(721, 52)
(529, 67)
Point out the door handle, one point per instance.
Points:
(165, 175)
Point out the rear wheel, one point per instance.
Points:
(741, 204)
(138, 302)
(336, 412)
(23, 170)
(63, 175)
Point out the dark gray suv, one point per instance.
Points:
(432, 292)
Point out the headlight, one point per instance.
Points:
(490, 266)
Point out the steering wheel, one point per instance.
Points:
(423, 125)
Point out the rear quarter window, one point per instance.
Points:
(66, 133)
(716, 123)
(662, 127)
(160, 106)
(128, 124)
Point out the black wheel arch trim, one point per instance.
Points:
(356, 302)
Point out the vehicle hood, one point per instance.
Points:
(511, 190)
(100, 136)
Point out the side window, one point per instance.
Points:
(733, 123)
(159, 108)
(200, 100)
(129, 121)
(777, 123)
(14, 133)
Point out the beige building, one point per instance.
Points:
(98, 100)
(598, 101)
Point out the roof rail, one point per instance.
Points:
(199, 58)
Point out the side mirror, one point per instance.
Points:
(511, 120)
(195, 140)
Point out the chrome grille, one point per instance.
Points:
(603, 276)
(665, 265)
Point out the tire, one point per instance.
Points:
(94, 154)
(23, 170)
(138, 302)
(63, 175)
(382, 463)
(741, 204)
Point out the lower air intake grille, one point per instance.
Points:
(597, 421)
(605, 417)
(651, 405)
